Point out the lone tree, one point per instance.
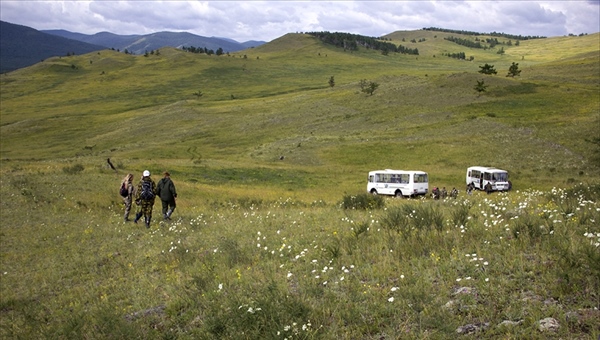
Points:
(368, 87)
(513, 70)
(480, 87)
(487, 69)
(331, 82)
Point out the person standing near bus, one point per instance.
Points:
(167, 193)
(488, 188)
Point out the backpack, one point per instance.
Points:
(123, 191)
(147, 194)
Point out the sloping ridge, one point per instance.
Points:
(24, 46)
(139, 44)
(290, 42)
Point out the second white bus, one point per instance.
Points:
(398, 183)
(480, 176)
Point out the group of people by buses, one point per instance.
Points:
(144, 195)
(401, 183)
(437, 194)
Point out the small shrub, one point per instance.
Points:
(460, 215)
(334, 250)
(233, 254)
(74, 169)
(586, 192)
(363, 201)
(246, 202)
(360, 228)
(395, 220)
(527, 226)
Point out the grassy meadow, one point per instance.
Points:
(274, 235)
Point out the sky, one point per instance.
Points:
(268, 20)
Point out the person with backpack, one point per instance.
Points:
(167, 193)
(454, 193)
(144, 197)
(126, 192)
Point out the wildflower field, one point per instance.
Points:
(274, 235)
(520, 264)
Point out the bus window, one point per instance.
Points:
(420, 178)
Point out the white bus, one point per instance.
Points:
(398, 183)
(480, 176)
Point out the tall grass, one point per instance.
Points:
(266, 242)
(285, 268)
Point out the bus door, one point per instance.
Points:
(381, 183)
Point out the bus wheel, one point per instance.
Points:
(373, 192)
(399, 194)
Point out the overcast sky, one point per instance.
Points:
(268, 20)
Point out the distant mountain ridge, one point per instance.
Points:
(140, 44)
(23, 46)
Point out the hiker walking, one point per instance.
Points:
(126, 192)
(144, 197)
(165, 189)
(470, 188)
(435, 193)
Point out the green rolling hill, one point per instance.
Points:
(201, 115)
(274, 229)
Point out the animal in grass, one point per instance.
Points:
(144, 198)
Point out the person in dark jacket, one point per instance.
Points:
(144, 197)
(167, 193)
(488, 188)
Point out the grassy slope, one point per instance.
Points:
(70, 268)
(132, 107)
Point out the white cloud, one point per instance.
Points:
(267, 20)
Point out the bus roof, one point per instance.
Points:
(397, 171)
(485, 168)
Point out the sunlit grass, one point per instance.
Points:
(274, 235)
(291, 268)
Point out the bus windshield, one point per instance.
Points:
(500, 176)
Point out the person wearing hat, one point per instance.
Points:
(167, 193)
(144, 197)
